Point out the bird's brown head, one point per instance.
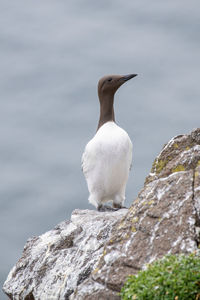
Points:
(109, 84)
(107, 87)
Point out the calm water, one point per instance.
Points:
(52, 54)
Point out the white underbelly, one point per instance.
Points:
(107, 161)
(110, 173)
(108, 178)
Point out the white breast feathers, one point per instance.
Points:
(106, 163)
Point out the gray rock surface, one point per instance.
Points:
(90, 256)
(53, 264)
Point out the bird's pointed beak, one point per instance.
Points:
(127, 77)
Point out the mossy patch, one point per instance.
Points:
(133, 229)
(174, 277)
(175, 145)
(178, 168)
(158, 165)
(151, 202)
(135, 219)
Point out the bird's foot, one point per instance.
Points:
(104, 208)
(118, 206)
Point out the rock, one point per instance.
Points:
(53, 264)
(90, 256)
(164, 219)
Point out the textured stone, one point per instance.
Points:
(165, 218)
(91, 256)
(55, 263)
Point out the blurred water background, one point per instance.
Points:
(52, 54)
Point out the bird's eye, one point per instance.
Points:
(109, 79)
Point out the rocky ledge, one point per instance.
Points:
(90, 256)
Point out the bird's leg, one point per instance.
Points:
(104, 208)
(118, 206)
(118, 201)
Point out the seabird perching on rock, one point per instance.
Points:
(107, 157)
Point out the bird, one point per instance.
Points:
(107, 157)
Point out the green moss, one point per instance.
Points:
(175, 146)
(135, 220)
(151, 202)
(178, 169)
(133, 229)
(174, 277)
(158, 165)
